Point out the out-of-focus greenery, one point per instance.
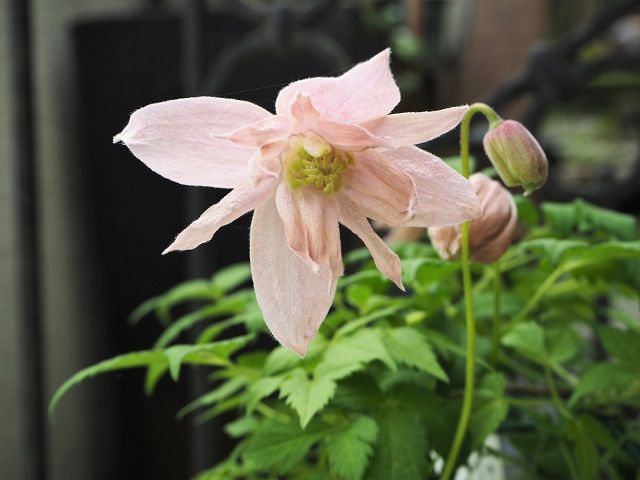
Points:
(378, 394)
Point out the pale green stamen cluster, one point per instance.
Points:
(323, 172)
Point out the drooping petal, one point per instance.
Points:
(176, 139)
(387, 262)
(444, 196)
(402, 129)
(381, 189)
(264, 131)
(310, 222)
(236, 203)
(344, 136)
(365, 92)
(294, 300)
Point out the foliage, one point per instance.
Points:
(378, 394)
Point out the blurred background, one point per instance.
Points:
(82, 222)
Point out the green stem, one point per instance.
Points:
(553, 277)
(551, 384)
(496, 319)
(467, 400)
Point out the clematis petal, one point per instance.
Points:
(176, 139)
(266, 160)
(402, 129)
(365, 92)
(263, 131)
(294, 300)
(387, 262)
(236, 203)
(444, 196)
(340, 135)
(310, 222)
(382, 190)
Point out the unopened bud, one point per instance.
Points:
(516, 155)
(491, 233)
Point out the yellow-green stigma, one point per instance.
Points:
(317, 165)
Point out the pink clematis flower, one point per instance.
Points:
(332, 154)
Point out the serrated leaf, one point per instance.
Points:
(241, 427)
(349, 450)
(213, 354)
(227, 306)
(191, 290)
(154, 373)
(623, 345)
(225, 390)
(554, 248)
(407, 346)
(586, 454)
(281, 445)
(527, 212)
(604, 377)
(486, 418)
(425, 271)
(563, 344)
(306, 396)
(526, 338)
(210, 333)
(260, 389)
(230, 277)
(349, 354)
(280, 359)
(401, 449)
(591, 217)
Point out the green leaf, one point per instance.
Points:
(280, 359)
(349, 354)
(586, 454)
(191, 290)
(554, 248)
(306, 396)
(561, 216)
(358, 295)
(455, 162)
(621, 225)
(407, 346)
(209, 354)
(422, 272)
(526, 338)
(401, 449)
(281, 445)
(621, 344)
(210, 333)
(490, 410)
(527, 212)
(227, 306)
(563, 344)
(260, 389)
(225, 390)
(604, 377)
(230, 277)
(349, 450)
(154, 374)
(241, 427)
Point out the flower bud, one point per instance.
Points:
(491, 233)
(516, 155)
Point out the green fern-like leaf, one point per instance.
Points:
(306, 396)
(349, 450)
(409, 347)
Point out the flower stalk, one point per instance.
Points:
(469, 382)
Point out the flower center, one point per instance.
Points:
(311, 162)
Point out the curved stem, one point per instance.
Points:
(469, 379)
(496, 319)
